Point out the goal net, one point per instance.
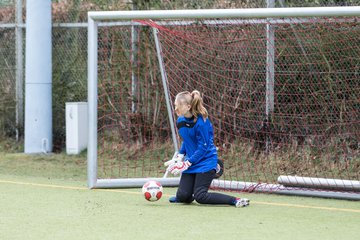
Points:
(282, 91)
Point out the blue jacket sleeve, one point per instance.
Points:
(202, 145)
(182, 149)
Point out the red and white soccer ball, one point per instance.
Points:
(152, 190)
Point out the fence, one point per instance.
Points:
(70, 52)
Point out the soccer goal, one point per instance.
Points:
(281, 86)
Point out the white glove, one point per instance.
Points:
(179, 167)
(178, 158)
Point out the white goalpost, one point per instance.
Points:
(257, 175)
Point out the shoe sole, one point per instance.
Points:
(246, 203)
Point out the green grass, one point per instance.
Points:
(59, 166)
(66, 209)
(45, 197)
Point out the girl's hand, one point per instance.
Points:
(179, 167)
(178, 158)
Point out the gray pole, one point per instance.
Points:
(19, 69)
(38, 82)
(134, 63)
(226, 13)
(166, 91)
(319, 183)
(92, 102)
(270, 70)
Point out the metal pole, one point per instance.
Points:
(38, 98)
(19, 70)
(282, 190)
(322, 183)
(134, 63)
(166, 90)
(227, 13)
(270, 69)
(92, 102)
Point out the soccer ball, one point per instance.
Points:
(152, 190)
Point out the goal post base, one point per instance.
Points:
(324, 183)
(283, 190)
(133, 182)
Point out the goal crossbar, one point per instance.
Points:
(226, 13)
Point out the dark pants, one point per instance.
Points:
(195, 186)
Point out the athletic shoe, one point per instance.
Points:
(173, 199)
(242, 202)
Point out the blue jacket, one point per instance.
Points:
(198, 144)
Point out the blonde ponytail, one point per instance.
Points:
(197, 105)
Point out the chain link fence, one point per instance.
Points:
(69, 36)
